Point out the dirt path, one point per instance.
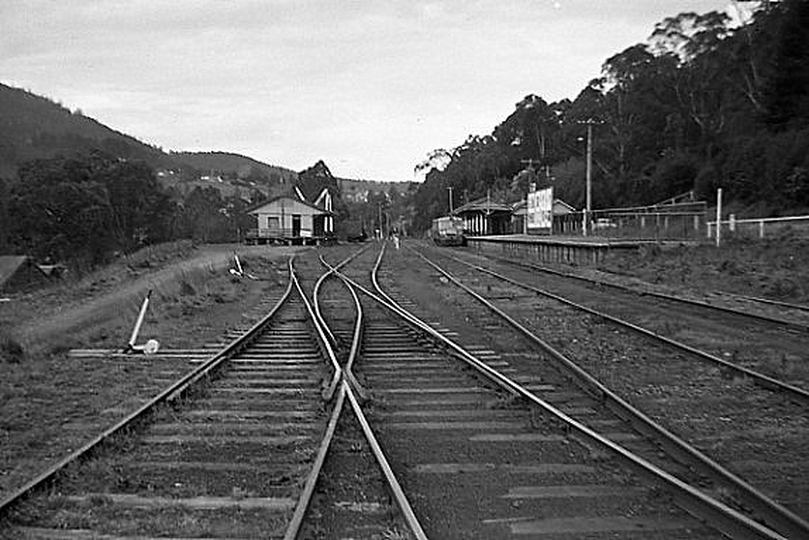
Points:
(62, 322)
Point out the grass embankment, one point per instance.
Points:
(776, 268)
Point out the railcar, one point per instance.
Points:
(448, 231)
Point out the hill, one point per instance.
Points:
(231, 165)
(35, 127)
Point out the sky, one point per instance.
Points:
(368, 86)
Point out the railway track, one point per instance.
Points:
(751, 308)
(772, 343)
(234, 449)
(479, 463)
(374, 425)
(763, 370)
(589, 344)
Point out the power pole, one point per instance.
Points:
(588, 205)
(589, 179)
(530, 163)
(450, 199)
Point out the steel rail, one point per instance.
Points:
(305, 499)
(691, 499)
(358, 328)
(781, 518)
(173, 392)
(757, 316)
(319, 283)
(396, 487)
(302, 506)
(788, 305)
(325, 345)
(765, 381)
(347, 380)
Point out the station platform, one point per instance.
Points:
(578, 250)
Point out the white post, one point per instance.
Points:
(718, 216)
(761, 229)
(135, 331)
(733, 223)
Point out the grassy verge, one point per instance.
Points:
(775, 268)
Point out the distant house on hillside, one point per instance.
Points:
(290, 219)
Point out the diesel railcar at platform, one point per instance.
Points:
(448, 231)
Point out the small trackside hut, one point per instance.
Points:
(290, 220)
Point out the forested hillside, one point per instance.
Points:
(35, 127)
(702, 104)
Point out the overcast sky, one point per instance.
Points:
(369, 86)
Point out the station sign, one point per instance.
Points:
(540, 209)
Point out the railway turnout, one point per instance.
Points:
(354, 409)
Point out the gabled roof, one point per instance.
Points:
(482, 205)
(252, 209)
(520, 208)
(563, 203)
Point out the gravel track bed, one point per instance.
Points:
(770, 349)
(203, 463)
(475, 464)
(351, 498)
(754, 432)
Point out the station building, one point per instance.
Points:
(292, 220)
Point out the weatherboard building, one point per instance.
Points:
(291, 219)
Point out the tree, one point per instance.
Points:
(140, 210)
(86, 208)
(786, 93)
(5, 224)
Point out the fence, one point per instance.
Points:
(677, 221)
(759, 227)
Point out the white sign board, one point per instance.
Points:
(540, 209)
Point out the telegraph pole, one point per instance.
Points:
(530, 164)
(589, 179)
(588, 205)
(450, 199)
